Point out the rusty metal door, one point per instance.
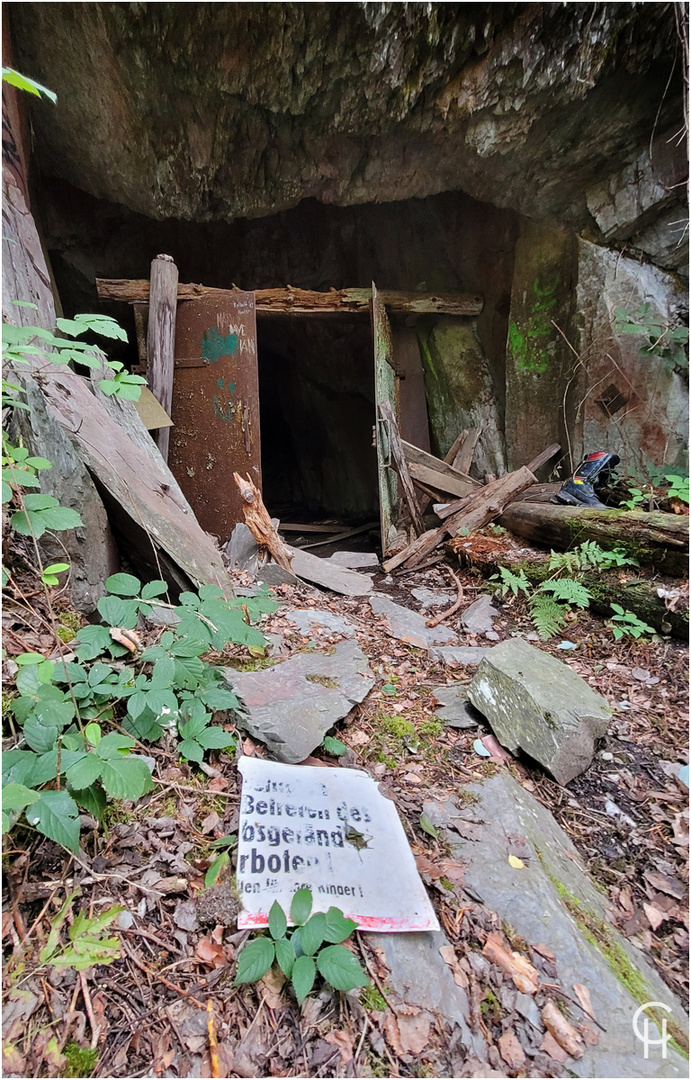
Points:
(386, 388)
(215, 406)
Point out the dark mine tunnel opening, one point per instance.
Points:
(316, 394)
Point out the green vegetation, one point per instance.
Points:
(372, 1000)
(314, 946)
(625, 623)
(168, 685)
(553, 601)
(659, 337)
(80, 1061)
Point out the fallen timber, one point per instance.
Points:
(292, 301)
(654, 539)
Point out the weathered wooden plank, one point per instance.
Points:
(401, 466)
(463, 458)
(385, 389)
(414, 455)
(414, 421)
(140, 483)
(438, 481)
(292, 301)
(160, 341)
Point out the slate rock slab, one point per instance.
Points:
(328, 574)
(465, 655)
(553, 901)
(291, 706)
(536, 703)
(478, 618)
(309, 620)
(429, 598)
(356, 560)
(456, 711)
(420, 976)
(409, 626)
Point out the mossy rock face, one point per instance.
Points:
(551, 899)
(211, 111)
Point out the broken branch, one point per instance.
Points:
(260, 524)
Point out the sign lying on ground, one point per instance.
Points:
(332, 831)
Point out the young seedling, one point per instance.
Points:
(313, 946)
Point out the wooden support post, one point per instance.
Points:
(160, 344)
(401, 465)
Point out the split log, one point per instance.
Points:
(655, 539)
(401, 465)
(160, 344)
(260, 524)
(291, 301)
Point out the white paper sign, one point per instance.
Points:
(332, 831)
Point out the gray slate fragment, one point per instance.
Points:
(419, 974)
(329, 575)
(429, 598)
(409, 626)
(307, 618)
(356, 560)
(465, 655)
(292, 705)
(534, 901)
(273, 574)
(241, 552)
(456, 711)
(478, 618)
(161, 616)
(536, 703)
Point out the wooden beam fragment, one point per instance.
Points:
(292, 301)
(401, 465)
(477, 510)
(463, 458)
(160, 342)
(260, 524)
(438, 481)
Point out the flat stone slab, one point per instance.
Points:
(428, 598)
(456, 711)
(419, 976)
(551, 900)
(465, 655)
(273, 574)
(309, 620)
(292, 705)
(536, 703)
(356, 560)
(409, 626)
(478, 618)
(328, 574)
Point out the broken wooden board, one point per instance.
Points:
(386, 413)
(439, 482)
(291, 301)
(140, 482)
(416, 456)
(327, 574)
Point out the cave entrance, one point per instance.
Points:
(295, 394)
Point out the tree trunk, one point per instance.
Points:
(655, 539)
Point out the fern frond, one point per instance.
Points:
(563, 560)
(548, 616)
(513, 582)
(568, 590)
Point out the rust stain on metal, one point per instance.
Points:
(216, 406)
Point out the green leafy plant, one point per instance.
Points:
(86, 945)
(662, 338)
(514, 583)
(23, 82)
(334, 746)
(548, 616)
(625, 623)
(589, 554)
(678, 487)
(637, 499)
(314, 946)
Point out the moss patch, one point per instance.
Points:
(323, 680)
(79, 1061)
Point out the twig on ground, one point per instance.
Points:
(454, 607)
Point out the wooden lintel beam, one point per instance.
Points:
(291, 301)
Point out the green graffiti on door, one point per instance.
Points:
(529, 341)
(224, 412)
(215, 345)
